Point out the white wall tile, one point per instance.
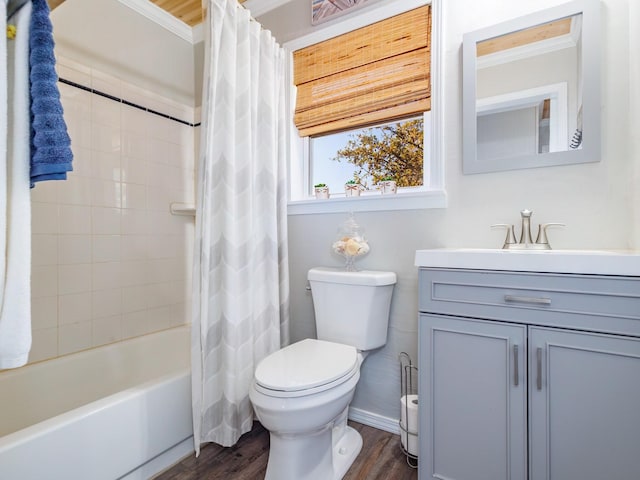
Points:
(135, 323)
(74, 278)
(134, 273)
(106, 166)
(44, 345)
(75, 219)
(105, 221)
(135, 120)
(44, 218)
(106, 248)
(160, 294)
(45, 192)
(105, 111)
(165, 246)
(162, 317)
(74, 337)
(73, 249)
(134, 170)
(81, 162)
(166, 269)
(134, 196)
(106, 303)
(106, 330)
(106, 275)
(44, 312)
(106, 193)
(134, 247)
(44, 281)
(105, 138)
(74, 308)
(134, 298)
(76, 190)
(160, 151)
(134, 222)
(158, 198)
(134, 145)
(44, 249)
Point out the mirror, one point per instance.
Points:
(531, 91)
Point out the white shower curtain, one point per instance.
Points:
(241, 284)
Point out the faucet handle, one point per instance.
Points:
(511, 236)
(542, 238)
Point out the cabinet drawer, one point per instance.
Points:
(608, 304)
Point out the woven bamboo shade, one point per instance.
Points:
(373, 74)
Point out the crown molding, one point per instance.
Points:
(163, 18)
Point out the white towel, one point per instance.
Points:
(15, 297)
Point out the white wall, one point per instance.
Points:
(110, 37)
(598, 202)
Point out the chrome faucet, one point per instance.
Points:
(526, 242)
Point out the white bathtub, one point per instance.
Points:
(119, 411)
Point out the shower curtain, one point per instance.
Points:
(241, 284)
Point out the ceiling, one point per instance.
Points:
(187, 11)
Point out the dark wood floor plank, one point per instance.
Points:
(380, 459)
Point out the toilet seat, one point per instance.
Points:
(306, 367)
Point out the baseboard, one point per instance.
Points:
(374, 420)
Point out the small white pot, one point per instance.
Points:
(351, 190)
(388, 187)
(322, 192)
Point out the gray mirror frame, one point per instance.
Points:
(590, 63)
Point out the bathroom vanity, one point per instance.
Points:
(529, 365)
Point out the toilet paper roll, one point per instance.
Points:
(409, 423)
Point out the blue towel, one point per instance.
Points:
(51, 154)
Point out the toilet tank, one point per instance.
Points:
(352, 307)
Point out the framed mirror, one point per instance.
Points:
(531, 90)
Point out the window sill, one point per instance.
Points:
(370, 203)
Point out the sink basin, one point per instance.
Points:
(596, 262)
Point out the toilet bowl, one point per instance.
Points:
(302, 398)
(301, 393)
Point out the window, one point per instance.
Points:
(368, 155)
(358, 89)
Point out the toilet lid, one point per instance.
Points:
(306, 364)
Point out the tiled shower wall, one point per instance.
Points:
(110, 261)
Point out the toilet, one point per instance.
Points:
(301, 393)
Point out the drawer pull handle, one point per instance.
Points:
(516, 375)
(539, 368)
(527, 300)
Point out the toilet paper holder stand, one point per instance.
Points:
(408, 386)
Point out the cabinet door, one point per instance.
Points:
(472, 399)
(584, 394)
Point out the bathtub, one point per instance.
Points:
(121, 411)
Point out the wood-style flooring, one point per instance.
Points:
(380, 459)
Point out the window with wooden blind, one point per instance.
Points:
(371, 75)
(363, 111)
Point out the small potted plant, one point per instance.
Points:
(321, 190)
(352, 188)
(388, 185)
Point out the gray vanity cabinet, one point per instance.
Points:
(527, 376)
(476, 408)
(584, 403)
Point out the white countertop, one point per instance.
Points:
(596, 262)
